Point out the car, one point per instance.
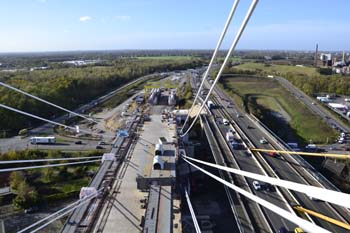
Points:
(238, 115)
(225, 121)
(31, 210)
(256, 185)
(313, 103)
(283, 230)
(314, 198)
(78, 142)
(272, 154)
(99, 147)
(270, 187)
(298, 230)
(263, 141)
(101, 143)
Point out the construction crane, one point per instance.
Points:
(336, 156)
(323, 217)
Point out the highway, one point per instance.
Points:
(264, 220)
(283, 166)
(256, 221)
(247, 162)
(316, 107)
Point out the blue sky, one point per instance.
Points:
(57, 25)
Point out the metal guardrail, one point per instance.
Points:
(300, 159)
(222, 176)
(267, 168)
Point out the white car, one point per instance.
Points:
(256, 185)
(314, 198)
(225, 121)
(263, 141)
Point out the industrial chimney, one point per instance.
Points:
(315, 61)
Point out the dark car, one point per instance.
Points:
(78, 142)
(270, 187)
(283, 230)
(99, 147)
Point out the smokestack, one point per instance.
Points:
(343, 57)
(315, 62)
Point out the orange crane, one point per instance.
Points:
(336, 156)
(323, 217)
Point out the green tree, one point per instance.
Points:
(16, 178)
(47, 174)
(27, 196)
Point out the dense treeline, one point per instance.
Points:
(51, 59)
(42, 186)
(316, 84)
(71, 87)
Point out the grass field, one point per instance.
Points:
(278, 69)
(263, 96)
(166, 57)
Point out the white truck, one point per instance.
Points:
(159, 149)
(229, 136)
(43, 140)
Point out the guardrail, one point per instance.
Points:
(311, 171)
(239, 225)
(238, 167)
(241, 132)
(300, 159)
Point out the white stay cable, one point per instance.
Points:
(304, 224)
(223, 33)
(195, 222)
(49, 121)
(342, 199)
(46, 160)
(45, 101)
(233, 46)
(48, 165)
(82, 201)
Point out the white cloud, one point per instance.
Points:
(84, 18)
(122, 17)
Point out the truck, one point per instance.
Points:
(229, 136)
(159, 149)
(210, 104)
(43, 140)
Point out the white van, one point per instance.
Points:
(225, 121)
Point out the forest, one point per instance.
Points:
(43, 186)
(73, 86)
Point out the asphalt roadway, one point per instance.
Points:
(313, 106)
(247, 163)
(281, 165)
